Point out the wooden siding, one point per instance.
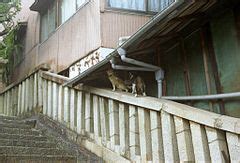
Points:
(115, 24)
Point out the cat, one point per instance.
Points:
(139, 87)
(117, 83)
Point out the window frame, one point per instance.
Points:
(58, 17)
(107, 7)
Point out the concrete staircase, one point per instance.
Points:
(21, 142)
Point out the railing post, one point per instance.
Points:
(39, 102)
(15, 100)
(114, 124)
(72, 109)
(103, 121)
(124, 129)
(200, 144)
(19, 103)
(31, 96)
(184, 140)
(169, 138)
(1, 104)
(156, 135)
(96, 113)
(35, 91)
(49, 101)
(66, 116)
(5, 103)
(27, 98)
(145, 134)
(134, 134)
(88, 108)
(23, 98)
(217, 145)
(55, 101)
(233, 141)
(80, 112)
(45, 97)
(60, 104)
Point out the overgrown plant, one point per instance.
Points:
(9, 44)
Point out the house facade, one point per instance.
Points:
(62, 32)
(197, 46)
(188, 52)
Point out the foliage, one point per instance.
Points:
(8, 11)
(10, 44)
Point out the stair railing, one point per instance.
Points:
(137, 128)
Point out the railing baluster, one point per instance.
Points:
(49, 102)
(27, 96)
(15, 93)
(88, 112)
(35, 91)
(9, 108)
(19, 103)
(23, 97)
(156, 135)
(60, 104)
(45, 97)
(72, 109)
(1, 104)
(80, 112)
(55, 100)
(233, 141)
(134, 134)
(31, 93)
(169, 138)
(39, 91)
(124, 129)
(114, 124)
(144, 134)
(184, 140)
(217, 145)
(96, 113)
(200, 144)
(5, 103)
(103, 120)
(66, 114)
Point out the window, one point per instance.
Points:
(56, 14)
(140, 5)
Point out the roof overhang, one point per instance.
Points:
(40, 5)
(161, 24)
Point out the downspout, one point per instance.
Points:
(159, 73)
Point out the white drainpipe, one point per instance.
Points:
(159, 73)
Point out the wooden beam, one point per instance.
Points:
(189, 17)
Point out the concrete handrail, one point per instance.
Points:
(121, 127)
(203, 117)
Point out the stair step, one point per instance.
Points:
(9, 117)
(12, 121)
(13, 150)
(38, 159)
(15, 125)
(23, 137)
(20, 131)
(27, 143)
